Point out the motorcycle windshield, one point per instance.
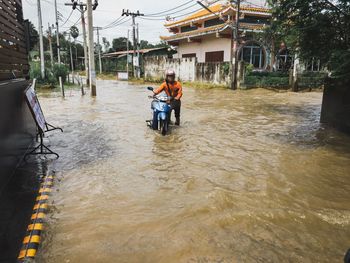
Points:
(160, 106)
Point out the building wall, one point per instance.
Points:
(336, 104)
(208, 44)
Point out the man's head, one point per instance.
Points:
(170, 75)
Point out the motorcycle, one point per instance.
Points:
(161, 113)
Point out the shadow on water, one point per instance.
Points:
(305, 129)
(81, 144)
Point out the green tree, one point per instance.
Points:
(316, 29)
(34, 38)
(119, 44)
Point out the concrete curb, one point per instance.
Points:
(35, 228)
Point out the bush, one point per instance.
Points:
(269, 74)
(60, 70)
(226, 67)
(51, 75)
(266, 81)
(35, 71)
(249, 69)
(312, 79)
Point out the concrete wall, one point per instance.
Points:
(336, 105)
(17, 127)
(187, 69)
(154, 67)
(217, 73)
(208, 44)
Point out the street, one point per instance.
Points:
(249, 176)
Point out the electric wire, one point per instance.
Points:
(169, 10)
(65, 22)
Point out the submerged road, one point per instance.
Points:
(250, 176)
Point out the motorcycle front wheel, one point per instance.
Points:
(163, 127)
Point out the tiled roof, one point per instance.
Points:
(216, 9)
(198, 32)
(211, 30)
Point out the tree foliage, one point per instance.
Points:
(316, 29)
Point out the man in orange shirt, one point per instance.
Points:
(173, 89)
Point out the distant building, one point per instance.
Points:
(208, 36)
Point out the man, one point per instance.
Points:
(173, 89)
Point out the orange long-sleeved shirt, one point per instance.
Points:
(174, 90)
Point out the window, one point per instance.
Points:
(253, 54)
(188, 28)
(189, 55)
(284, 60)
(216, 56)
(314, 65)
(213, 22)
(255, 20)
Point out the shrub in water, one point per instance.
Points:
(60, 70)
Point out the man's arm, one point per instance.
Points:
(159, 90)
(179, 94)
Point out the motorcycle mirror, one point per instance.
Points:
(150, 88)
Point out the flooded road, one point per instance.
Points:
(250, 176)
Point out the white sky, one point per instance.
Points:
(108, 11)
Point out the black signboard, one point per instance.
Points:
(35, 108)
(43, 126)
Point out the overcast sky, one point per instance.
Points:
(110, 10)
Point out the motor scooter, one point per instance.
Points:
(161, 110)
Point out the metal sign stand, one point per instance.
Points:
(42, 127)
(41, 148)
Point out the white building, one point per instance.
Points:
(208, 35)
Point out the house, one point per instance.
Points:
(207, 36)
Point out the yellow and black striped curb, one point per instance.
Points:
(32, 238)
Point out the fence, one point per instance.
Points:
(281, 80)
(187, 69)
(13, 39)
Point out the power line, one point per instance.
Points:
(115, 21)
(152, 19)
(117, 24)
(178, 11)
(67, 18)
(169, 10)
(189, 13)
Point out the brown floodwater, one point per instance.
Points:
(250, 176)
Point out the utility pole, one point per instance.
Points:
(90, 7)
(127, 56)
(71, 58)
(86, 57)
(133, 15)
(50, 44)
(234, 52)
(99, 48)
(41, 42)
(82, 10)
(58, 35)
(138, 72)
